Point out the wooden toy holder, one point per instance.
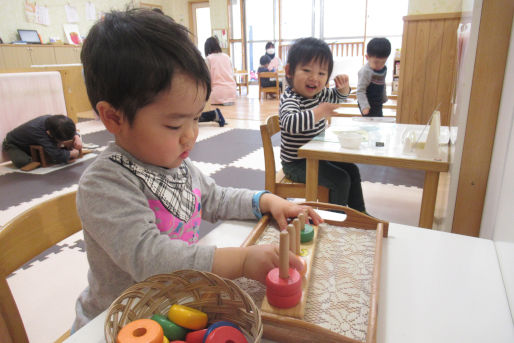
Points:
(344, 256)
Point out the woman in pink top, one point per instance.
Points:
(223, 83)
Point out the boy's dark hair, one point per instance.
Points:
(264, 60)
(60, 127)
(211, 46)
(379, 47)
(308, 49)
(269, 45)
(130, 57)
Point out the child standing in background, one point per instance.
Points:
(304, 108)
(371, 87)
(142, 200)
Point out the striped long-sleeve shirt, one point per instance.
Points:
(297, 125)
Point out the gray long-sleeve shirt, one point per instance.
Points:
(130, 235)
(367, 76)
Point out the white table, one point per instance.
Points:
(391, 154)
(434, 287)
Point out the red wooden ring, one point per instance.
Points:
(284, 302)
(225, 334)
(196, 336)
(283, 287)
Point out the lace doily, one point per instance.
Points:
(341, 277)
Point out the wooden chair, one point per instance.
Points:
(273, 89)
(275, 181)
(22, 239)
(241, 77)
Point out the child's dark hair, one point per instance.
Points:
(379, 47)
(309, 49)
(60, 127)
(211, 46)
(264, 60)
(130, 57)
(269, 45)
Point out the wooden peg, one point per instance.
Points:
(292, 239)
(296, 242)
(284, 255)
(302, 217)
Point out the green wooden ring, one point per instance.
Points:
(307, 234)
(172, 331)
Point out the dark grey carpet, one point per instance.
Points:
(221, 149)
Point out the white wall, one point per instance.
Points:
(498, 217)
(13, 17)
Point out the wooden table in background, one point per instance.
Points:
(391, 155)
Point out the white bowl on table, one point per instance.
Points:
(350, 139)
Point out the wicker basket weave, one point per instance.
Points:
(220, 298)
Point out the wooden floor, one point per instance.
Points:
(248, 111)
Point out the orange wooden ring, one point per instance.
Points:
(141, 331)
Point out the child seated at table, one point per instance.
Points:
(371, 87)
(305, 107)
(263, 68)
(142, 200)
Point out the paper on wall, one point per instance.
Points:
(71, 13)
(90, 11)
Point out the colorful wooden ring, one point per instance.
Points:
(171, 330)
(141, 331)
(284, 301)
(307, 234)
(226, 334)
(187, 317)
(196, 336)
(165, 339)
(216, 325)
(283, 287)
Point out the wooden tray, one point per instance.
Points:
(340, 299)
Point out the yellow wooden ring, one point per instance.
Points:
(165, 340)
(187, 317)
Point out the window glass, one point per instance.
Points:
(343, 18)
(235, 13)
(296, 19)
(255, 50)
(385, 18)
(259, 19)
(237, 56)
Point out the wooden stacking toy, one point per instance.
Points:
(172, 331)
(284, 284)
(141, 331)
(307, 231)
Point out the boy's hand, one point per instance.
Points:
(282, 209)
(324, 110)
(365, 111)
(77, 142)
(260, 259)
(342, 82)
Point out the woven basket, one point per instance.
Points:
(220, 298)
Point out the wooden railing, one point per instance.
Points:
(343, 49)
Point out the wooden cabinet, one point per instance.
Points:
(14, 56)
(67, 54)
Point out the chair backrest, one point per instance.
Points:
(241, 77)
(25, 237)
(271, 76)
(268, 129)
